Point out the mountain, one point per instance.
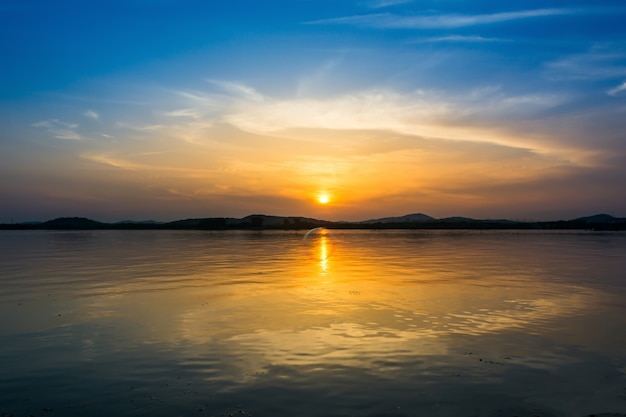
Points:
(457, 219)
(597, 218)
(138, 222)
(280, 221)
(409, 218)
(599, 222)
(72, 223)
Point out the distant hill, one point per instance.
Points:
(253, 221)
(413, 218)
(276, 221)
(597, 218)
(138, 222)
(264, 221)
(72, 223)
(457, 219)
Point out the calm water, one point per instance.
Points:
(363, 323)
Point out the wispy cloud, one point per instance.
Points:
(620, 88)
(592, 65)
(379, 4)
(110, 160)
(65, 134)
(91, 115)
(191, 113)
(461, 38)
(59, 129)
(419, 113)
(441, 21)
(54, 123)
(316, 79)
(141, 128)
(237, 89)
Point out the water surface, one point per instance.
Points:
(363, 323)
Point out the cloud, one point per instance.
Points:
(419, 113)
(601, 63)
(91, 115)
(190, 113)
(59, 129)
(44, 124)
(54, 123)
(443, 21)
(109, 160)
(141, 128)
(238, 90)
(617, 90)
(461, 38)
(379, 4)
(65, 134)
(486, 115)
(317, 79)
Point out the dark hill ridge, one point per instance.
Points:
(417, 217)
(597, 218)
(138, 222)
(262, 222)
(72, 223)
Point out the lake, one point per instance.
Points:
(334, 323)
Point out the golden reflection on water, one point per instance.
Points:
(324, 253)
(258, 307)
(359, 302)
(333, 298)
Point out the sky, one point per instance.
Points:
(339, 110)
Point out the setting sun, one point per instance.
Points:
(323, 199)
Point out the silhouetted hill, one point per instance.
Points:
(72, 223)
(184, 224)
(457, 219)
(263, 222)
(409, 218)
(597, 218)
(138, 222)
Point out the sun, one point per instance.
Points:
(323, 199)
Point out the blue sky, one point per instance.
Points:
(170, 109)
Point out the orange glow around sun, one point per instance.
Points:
(323, 198)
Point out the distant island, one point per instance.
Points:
(266, 222)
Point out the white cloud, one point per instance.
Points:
(140, 128)
(150, 127)
(65, 134)
(600, 63)
(379, 4)
(59, 129)
(91, 115)
(109, 160)
(238, 90)
(44, 124)
(487, 114)
(461, 38)
(317, 79)
(54, 123)
(420, 113)
(444, 21)
(191, 113)
(617, 90)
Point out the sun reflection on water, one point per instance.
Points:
(320, 247)
(324, 253)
